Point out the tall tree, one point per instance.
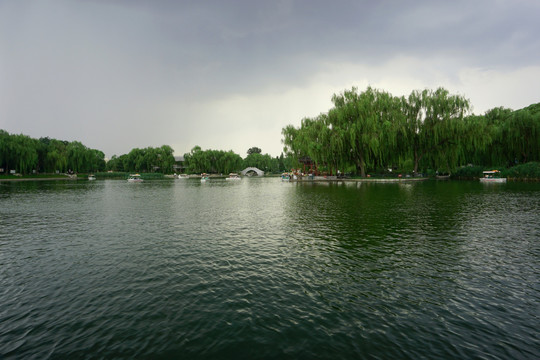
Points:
(434, 124)
(370, 123)
(254, 150)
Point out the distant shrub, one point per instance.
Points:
(468, 172)
(530, 170)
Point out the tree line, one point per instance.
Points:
(219, 161)
(26, 155)
(372, 131)
(149, 159)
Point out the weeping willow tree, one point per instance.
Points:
(429, 129)
(364, 129)
(373, 129)
(56, 158)
(18, 152)
(435, 127)
(496, 152)
(316, 139)
(212, 161)
(521, 132)
(372, 125)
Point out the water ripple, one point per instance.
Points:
(264, 269)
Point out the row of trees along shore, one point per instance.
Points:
(149, 159)
(430, 130)
(27, 155)
(219, 161)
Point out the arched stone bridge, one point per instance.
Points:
(248, 169)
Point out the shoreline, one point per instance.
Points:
(361, 180)
(367, 180)
(38, 179)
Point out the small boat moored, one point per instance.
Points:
(492, 176)
(91, 177)
(233, 176)
(204, 177)
(134, 178)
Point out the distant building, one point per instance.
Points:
(179, 164)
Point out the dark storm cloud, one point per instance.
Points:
(120, 74)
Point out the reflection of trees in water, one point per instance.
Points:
(391, 233)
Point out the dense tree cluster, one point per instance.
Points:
(254, 150)
(211, 161)
(149, 159)
(26, 155)
(224, 162)
(373, 130)
(513, 137)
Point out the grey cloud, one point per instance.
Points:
(67, 64)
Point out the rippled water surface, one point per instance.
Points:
(261, 269)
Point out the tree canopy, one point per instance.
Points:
(430, 129)
(254, 150)
(149, 159)
(25, 155)
(224, 162)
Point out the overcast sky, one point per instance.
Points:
(229, 75)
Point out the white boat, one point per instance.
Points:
(204, 177)
(91, 177)
(183, 176)
(233, 176)
(492, 176)
(134, 178)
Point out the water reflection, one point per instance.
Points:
(397, 270)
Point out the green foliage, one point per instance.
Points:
(468, 172)
(212, 161)
(529, 170)
(254, 150)
(144, 160)
(263, 162)
(426, 130)
(26, 155)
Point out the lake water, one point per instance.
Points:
(260, 269)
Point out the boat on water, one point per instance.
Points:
(134, 178)
(285, 177)
(492, 176)
(204, 177)
(183, 176)
(233, 177)
(91, 177)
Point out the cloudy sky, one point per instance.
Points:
(229, 75)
